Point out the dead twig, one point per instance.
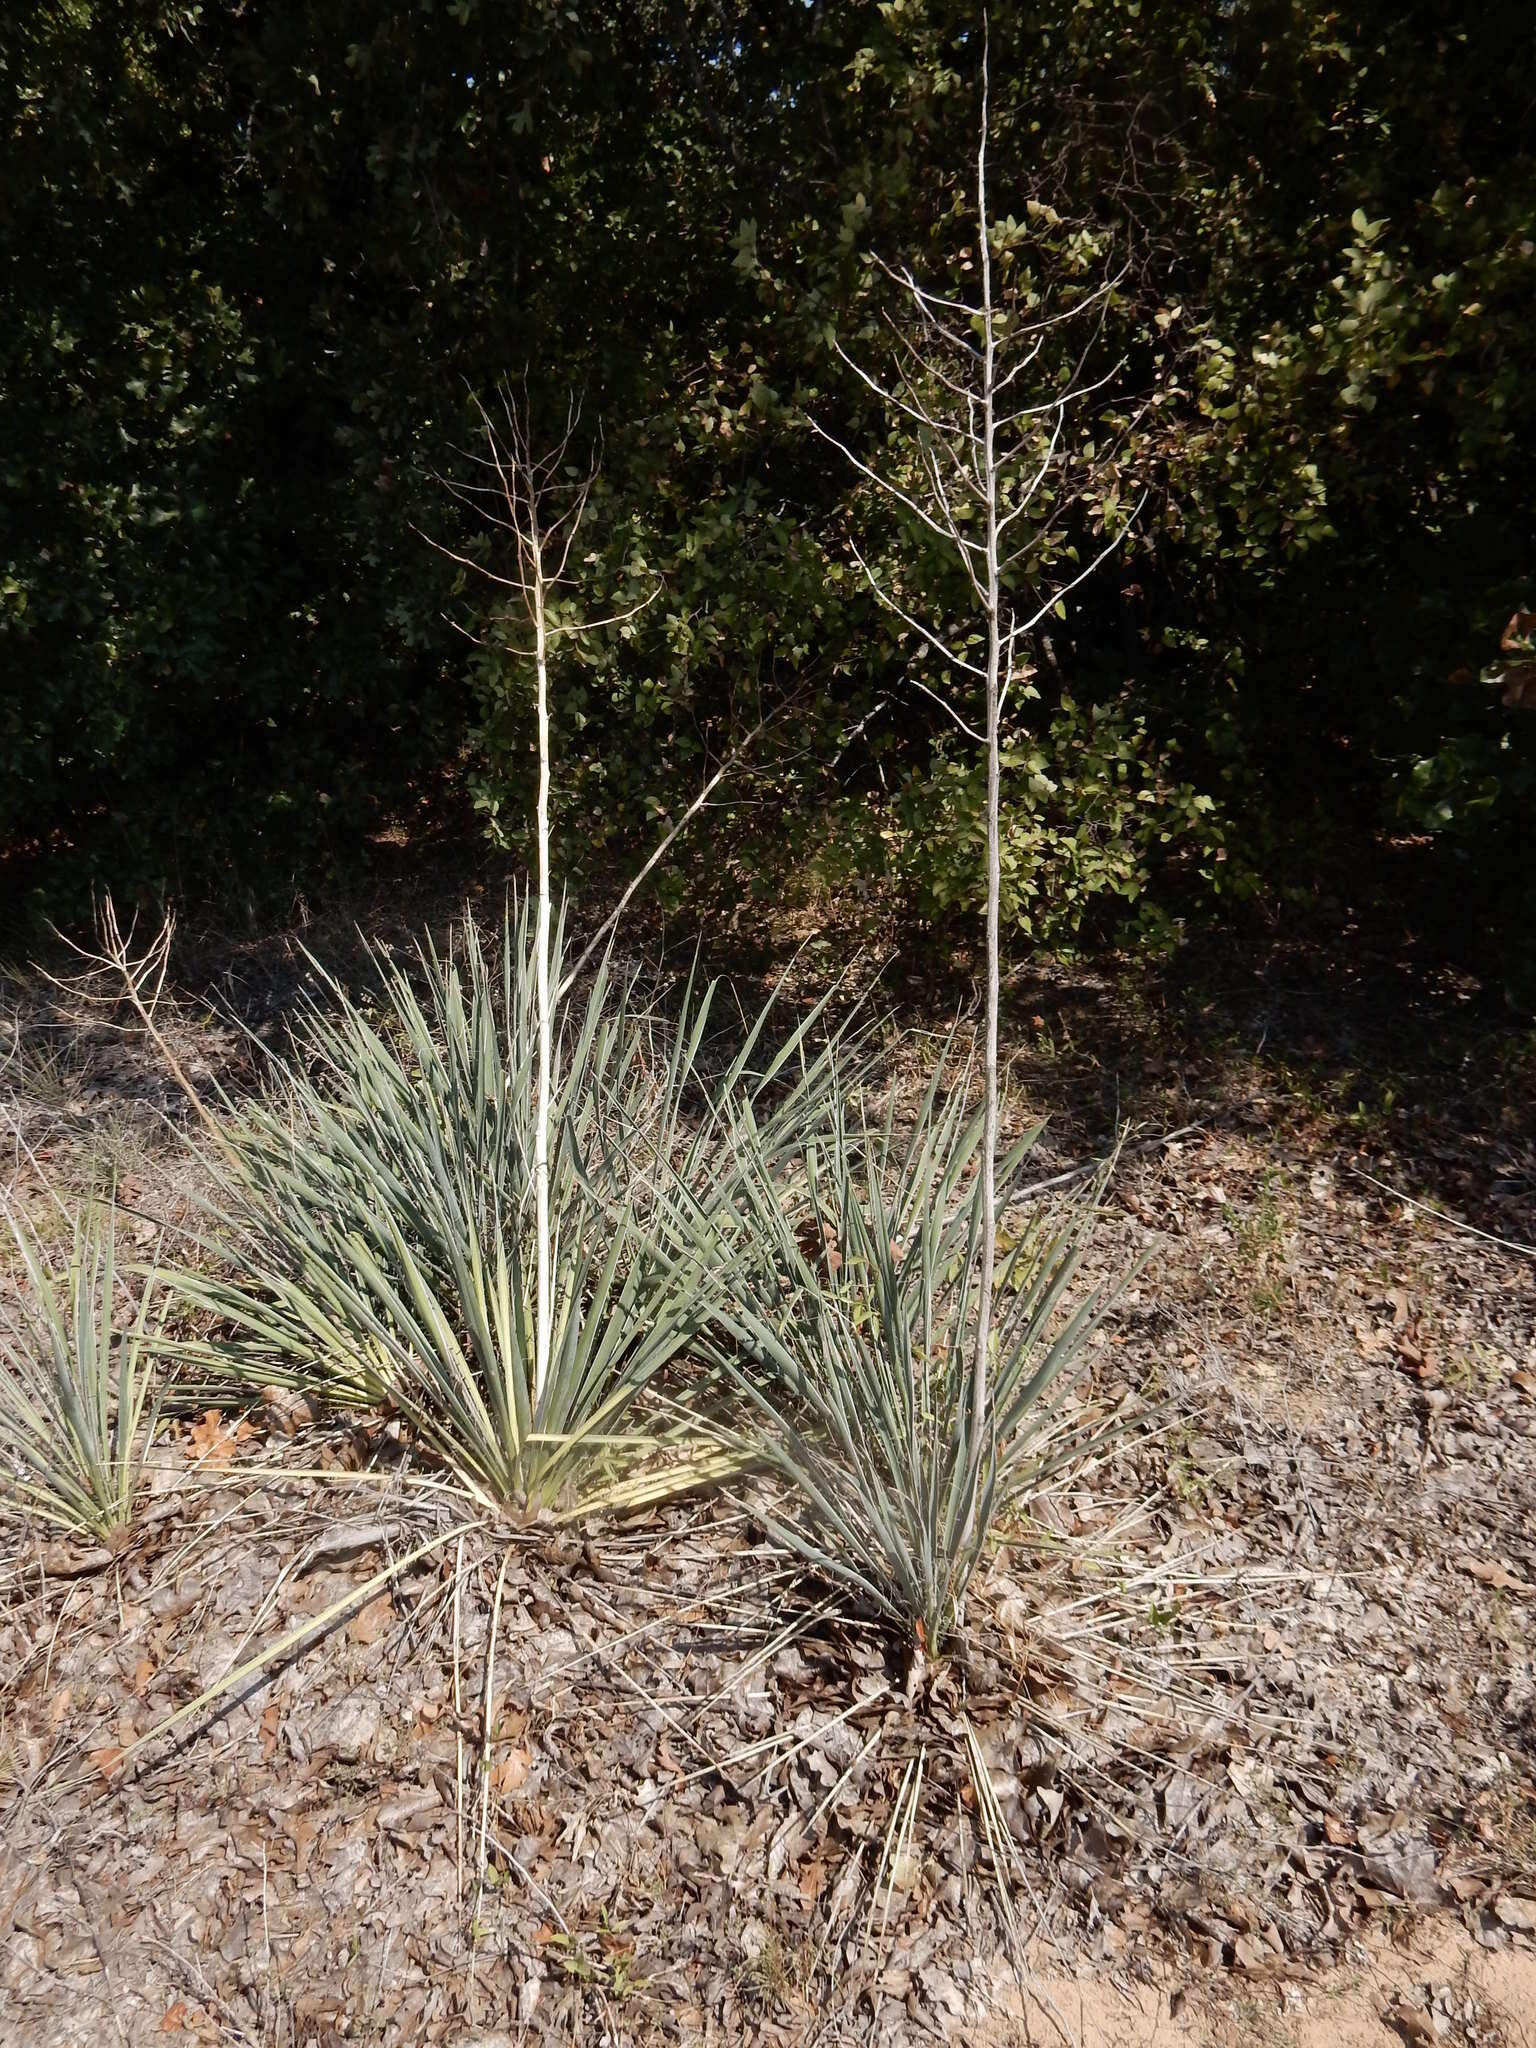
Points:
(1507, 1244)
(140, 983)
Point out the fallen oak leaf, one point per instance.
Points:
(413, 1813)
(1498, 1576)
(212, 1441)
(66, 1561)
(369, 1625)
(1375, 1340)
(1251, 1954)
(511, 1773)
(1413, 1358)
(303, 1830)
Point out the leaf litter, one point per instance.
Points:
(1251, 1694)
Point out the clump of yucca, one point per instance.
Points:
(850, 1333)
(76, 1414)
(375, 1225)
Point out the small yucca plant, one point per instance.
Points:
(375, 1216)
(850, 1330)
(73, 1389)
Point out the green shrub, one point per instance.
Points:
(1089, 812)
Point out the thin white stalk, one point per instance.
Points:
(458, 1728)
(923, 632)
(972, 455)
(543, 1337)
(993, 600)
(488, 1721)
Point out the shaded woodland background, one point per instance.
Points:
(258, 256)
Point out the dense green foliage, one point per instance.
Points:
(257, 255)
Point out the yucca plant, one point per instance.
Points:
(375, 1223)
(75, 1393)
(849, 1332)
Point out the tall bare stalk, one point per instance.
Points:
(537, 498)
(953, 367)
(541, 499)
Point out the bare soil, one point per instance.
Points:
(1254, 1694)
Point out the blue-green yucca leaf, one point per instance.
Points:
(76, 1407)
(372, 1239)
(846, 1330)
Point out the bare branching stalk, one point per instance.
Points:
(544, 1311)
(994, 604)
(541, 500)
(985, 459)
(113, 974)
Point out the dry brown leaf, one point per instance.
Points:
(1489, 1573)
(302, 1829)
(1250, 1953)
(1375, 1340)
(211, 1441)
(1412, 1357)
(511, 1773)
(67, 1561)
(372, 1623)
(1416, 2027)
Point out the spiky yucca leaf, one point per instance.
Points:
(849, 1334)
(73, 1390)
(376, 1224)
